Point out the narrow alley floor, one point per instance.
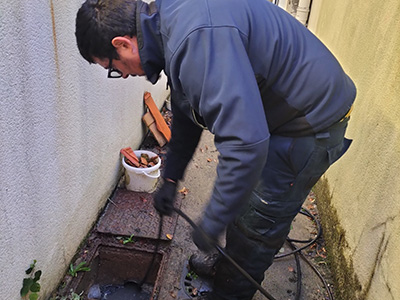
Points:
(280, 279)
(130, 218)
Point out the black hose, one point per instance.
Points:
(245, 274)
(296, 251)
(330, 295)
(298, 267)
(307, 242)
(220, 250)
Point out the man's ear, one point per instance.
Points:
(120, 42)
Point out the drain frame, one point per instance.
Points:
(99, 245)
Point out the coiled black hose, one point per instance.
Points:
(295, 251)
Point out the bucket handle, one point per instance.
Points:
(152, 176)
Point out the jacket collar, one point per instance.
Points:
(149, 40)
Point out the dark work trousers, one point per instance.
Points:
(293, 166)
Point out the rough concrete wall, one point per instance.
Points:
(360, 194)
(62, 124)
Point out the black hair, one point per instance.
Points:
(99, 21)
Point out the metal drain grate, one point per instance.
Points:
(133, 213)
(192, 285)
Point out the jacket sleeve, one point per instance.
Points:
(185, 136)
(213, 70)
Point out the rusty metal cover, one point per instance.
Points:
(133, 213)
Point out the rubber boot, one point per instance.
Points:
(204, 264)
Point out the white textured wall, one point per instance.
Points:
(62, 124)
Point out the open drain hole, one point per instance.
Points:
(194, 285)
(130, 290)
(115, 272)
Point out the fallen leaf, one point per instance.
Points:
(291, 269)
(209, 159)
(169, 236)
(184, 191)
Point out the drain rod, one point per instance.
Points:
(234, 263)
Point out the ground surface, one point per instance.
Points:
(282, 276)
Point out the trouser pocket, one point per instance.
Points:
(270, 230)
(254, 222)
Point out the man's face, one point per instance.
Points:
(128, 62)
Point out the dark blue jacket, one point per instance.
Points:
(216, 53)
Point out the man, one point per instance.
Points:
(275, 98)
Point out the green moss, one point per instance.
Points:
(346, 283)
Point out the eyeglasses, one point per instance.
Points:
(113, 73)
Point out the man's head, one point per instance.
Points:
(106, 35)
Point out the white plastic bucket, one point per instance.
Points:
(142, 179)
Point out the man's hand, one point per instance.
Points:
(202, 240)
(164, 198)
